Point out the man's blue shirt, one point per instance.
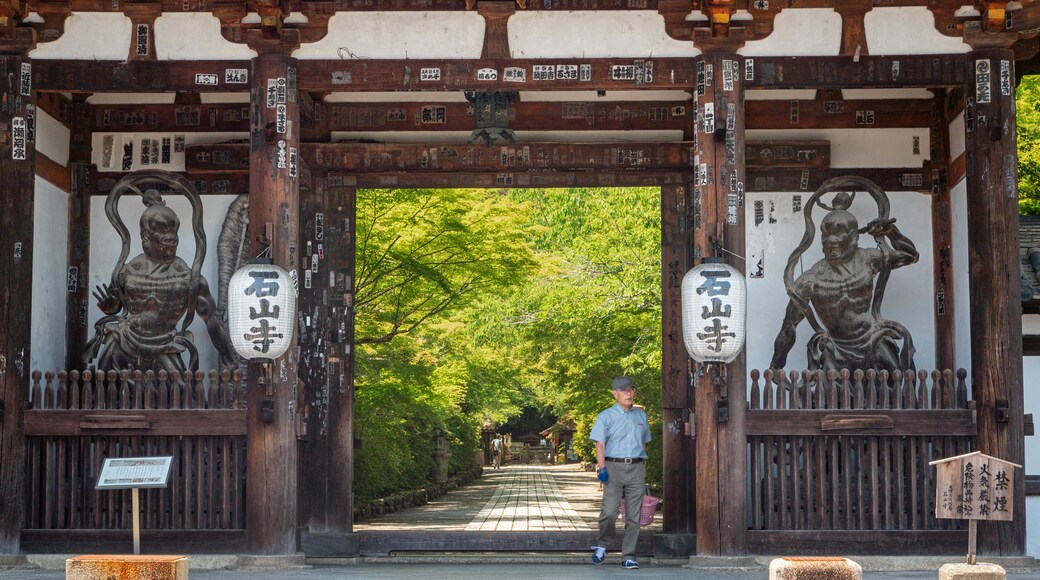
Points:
(623, 432)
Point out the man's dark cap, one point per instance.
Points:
(622, 384)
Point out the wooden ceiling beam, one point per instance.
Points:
(207, 183)
(503, 157)
(169, 118)
(606, 74)
(785, 179)
(525, 116)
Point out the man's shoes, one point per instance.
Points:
(630, 565)
(598, 554)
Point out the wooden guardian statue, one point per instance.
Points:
(156, 289)
(841, 294)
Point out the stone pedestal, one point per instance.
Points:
(103, 567)
(972, 572)
(814, 569)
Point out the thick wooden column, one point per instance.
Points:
(942, 238)
(993, 265)
(272, 450)
(676, 437)
(327, 368)
(79, 291)
(719, 396)
(17, 174)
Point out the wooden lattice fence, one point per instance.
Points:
(841, 451)
(76, 420)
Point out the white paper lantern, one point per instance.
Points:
(714, 311)
(261, 311)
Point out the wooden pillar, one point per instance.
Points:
(720, 390)
(79, 236)
(327, 457)
(17, 174)
(272, 451)
(993, 265)
(676, 437)
(942, 238)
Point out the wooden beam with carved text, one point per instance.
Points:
(382, 157)
(614, 74)
(526, 116)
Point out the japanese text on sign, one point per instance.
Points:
(974, 487)
(716, 287)
(265, 284)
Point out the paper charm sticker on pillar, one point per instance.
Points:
(261, 311)
(714, 311)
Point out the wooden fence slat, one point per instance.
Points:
(859, 477)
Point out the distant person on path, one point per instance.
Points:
(496, 451)
(621, 434)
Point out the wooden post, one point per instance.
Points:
(993, 265)
(272, 451)
(942, 238)
(719, 395)
(79, 235)
(675, 368)
(17, 174)
(327, 457)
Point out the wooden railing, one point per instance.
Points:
(77, 420)
(851, 451)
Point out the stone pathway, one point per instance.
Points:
(528, 498)
(513, 498)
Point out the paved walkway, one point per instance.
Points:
(526, 498)
(513, 498)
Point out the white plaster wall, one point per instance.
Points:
(1031, 388)
(52, 138)
(105, 247)
(1033, 526)
(801, 32)
(50, 266)
(962, 323)
(548, 34)
(109, 158)
(90, 36)
(195, 36)
(908, 297)
(360, 35)
(907, 30)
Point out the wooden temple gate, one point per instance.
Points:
(733, 466)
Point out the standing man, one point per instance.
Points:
(496, 451)
(621, 434)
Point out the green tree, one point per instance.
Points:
(593, 311)
(423, 257)
(1027, 98)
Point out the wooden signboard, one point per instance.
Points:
(134, 473)
(131, 472)
(974, 487)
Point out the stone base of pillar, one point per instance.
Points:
(102, 567)
(971, 572)
(814, 569)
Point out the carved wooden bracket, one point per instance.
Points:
(720, 14)
(261, 41)
(53, 14)
(142, 17)
(496, 34)
(230, 15)
(853, 29)
(471, 3)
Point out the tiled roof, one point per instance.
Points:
(1029, 238)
